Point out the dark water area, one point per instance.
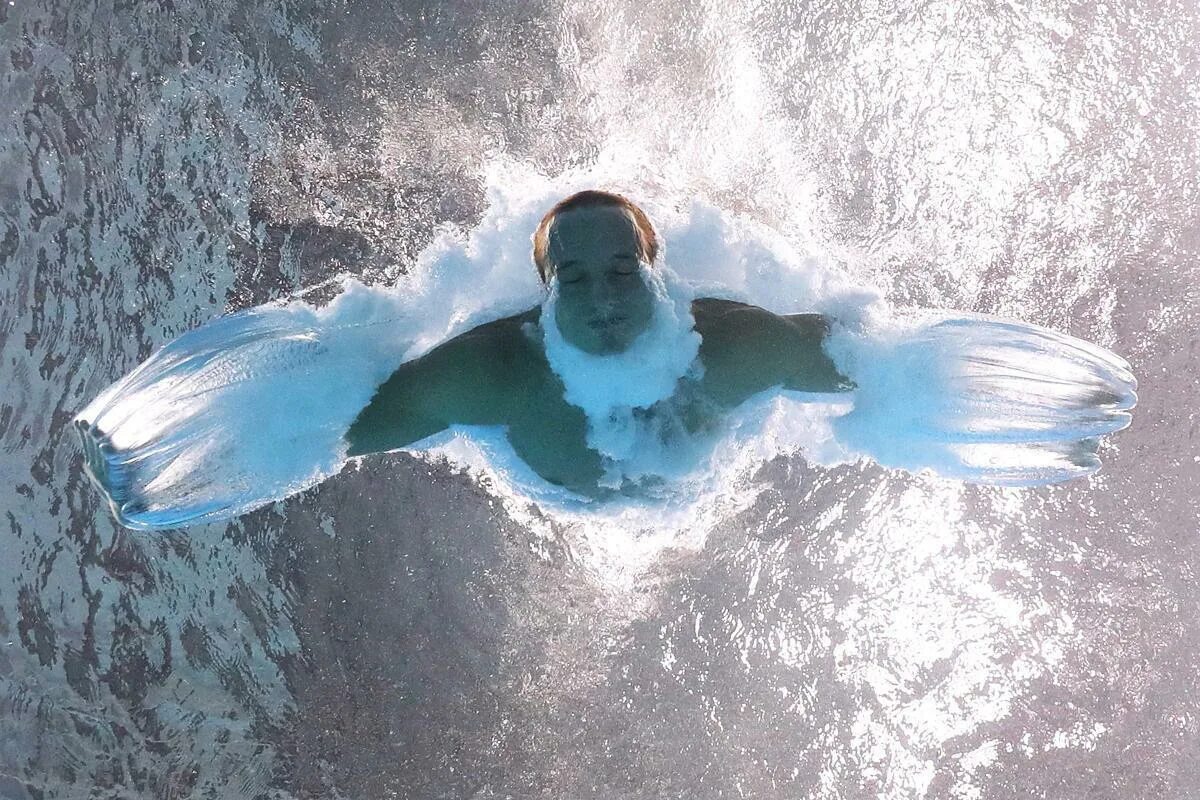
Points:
(401, 630)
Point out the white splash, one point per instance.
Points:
(253, 407)
(610, 388)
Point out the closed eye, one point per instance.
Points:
(625, 264)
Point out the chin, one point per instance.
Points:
(599, 348)
(611, 345)
(608, 343)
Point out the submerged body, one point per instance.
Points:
(607, 322)
(498, 374)
(619, 381)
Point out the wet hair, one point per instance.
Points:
(590, 198)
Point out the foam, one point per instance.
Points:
(611, 389)
(253, 406)
(980, 399)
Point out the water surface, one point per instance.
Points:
(405, 629)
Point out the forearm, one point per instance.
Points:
(389, 423)
(819, 375)
(807, 367)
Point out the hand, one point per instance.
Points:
(107, 466)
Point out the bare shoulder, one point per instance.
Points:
(495, 346)
(746, 349)
(474, 378)
(741, 327)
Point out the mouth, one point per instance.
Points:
(606, 322)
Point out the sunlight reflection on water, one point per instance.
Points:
(838, 632)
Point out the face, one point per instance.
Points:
(603, 300)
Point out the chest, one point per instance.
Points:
(559, 441)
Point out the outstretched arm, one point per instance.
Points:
(746, 350)
(398, 414)
(815, 371)
(460, 382)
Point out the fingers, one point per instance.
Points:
(98, 451)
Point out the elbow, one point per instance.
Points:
(362, 435)
(355, 446)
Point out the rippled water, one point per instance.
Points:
(405, 629)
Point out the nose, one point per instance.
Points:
(603, 293)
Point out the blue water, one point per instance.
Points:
(425, 625)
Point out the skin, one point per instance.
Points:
(603, 302)
(497, 373)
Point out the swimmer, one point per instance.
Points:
(619, 382)
(595, 252)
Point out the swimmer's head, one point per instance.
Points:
(596, 246)
(592, 198)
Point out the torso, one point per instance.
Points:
(498, 375)
(550, 434)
